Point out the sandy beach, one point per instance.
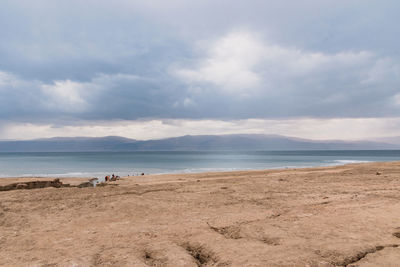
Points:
(332, 216)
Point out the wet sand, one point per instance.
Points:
(334, 216)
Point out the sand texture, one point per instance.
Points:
(336, 216)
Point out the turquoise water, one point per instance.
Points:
(99, 164)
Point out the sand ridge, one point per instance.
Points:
(333, 216)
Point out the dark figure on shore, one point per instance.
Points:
(107, 178)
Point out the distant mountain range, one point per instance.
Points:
(187, 143)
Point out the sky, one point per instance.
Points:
(163, 68)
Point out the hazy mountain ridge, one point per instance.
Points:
(186, 143)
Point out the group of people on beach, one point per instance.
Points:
(137, 174)
(111, 178)
(108, 178)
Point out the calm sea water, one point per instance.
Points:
(98, 164)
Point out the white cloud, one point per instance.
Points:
(71, 96)
(66, 95)
(396, 99)
(229, 63)
(9, 81)
(5, 78)
(242, 62)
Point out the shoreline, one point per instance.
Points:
(99, 165)
(224, 170)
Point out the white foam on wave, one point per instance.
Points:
(346, 161)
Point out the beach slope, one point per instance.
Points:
(332, 216)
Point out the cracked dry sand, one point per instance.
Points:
(335, 216)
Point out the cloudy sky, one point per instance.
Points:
(160, 68)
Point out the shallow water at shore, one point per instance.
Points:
(98, 164)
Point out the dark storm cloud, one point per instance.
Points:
(101, 60)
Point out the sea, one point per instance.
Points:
(99, 164)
